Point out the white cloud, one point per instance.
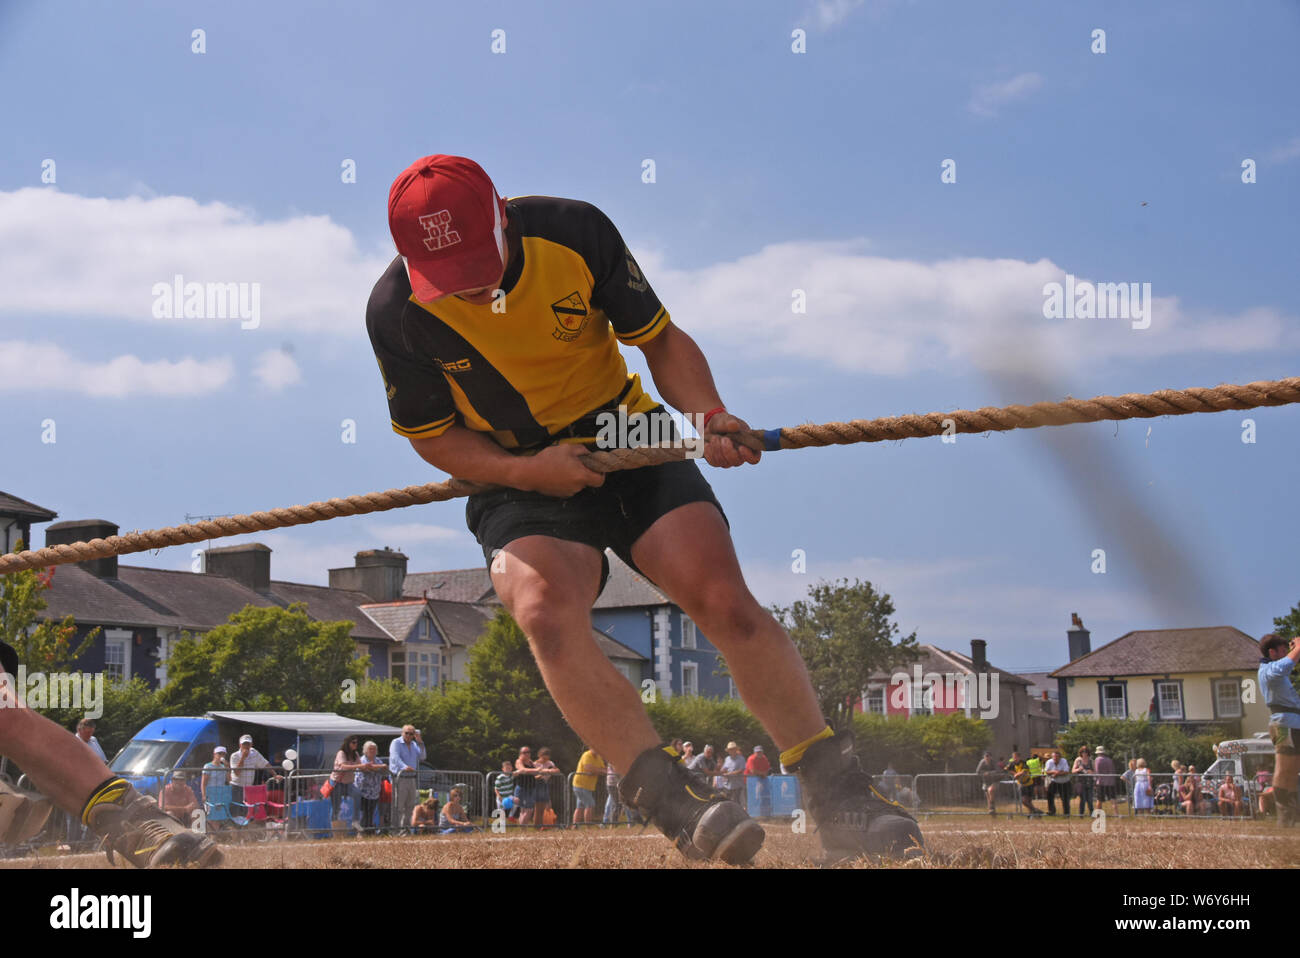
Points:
(987, 98)
(276, 369)
(68, 254)
(829, 13)
(886, 316)
(1284, 154)
(399, 533)
(22, 364)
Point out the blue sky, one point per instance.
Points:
(774, 171)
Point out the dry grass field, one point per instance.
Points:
(953, 842)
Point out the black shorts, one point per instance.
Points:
(613, 515)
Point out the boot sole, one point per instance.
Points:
(741, 844)
(22, 816)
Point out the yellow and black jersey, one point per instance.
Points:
(550, 359)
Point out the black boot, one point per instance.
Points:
(143, 834)
(853, 819)
(701, 821)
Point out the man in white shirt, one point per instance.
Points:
(1058, 783)
(245, 763)
(86, 732)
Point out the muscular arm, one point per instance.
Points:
(466, 454)
(682, 376)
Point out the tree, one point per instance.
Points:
(42, 645)
(263, 659)
(1288, 626)
(844, 635)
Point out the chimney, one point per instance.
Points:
(249, 564)
(979, 661)
(83, 530)
(1079, 638)
(379, 573)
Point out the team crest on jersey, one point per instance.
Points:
(571, 317)
(635, 280)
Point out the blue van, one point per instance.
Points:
(167, 744)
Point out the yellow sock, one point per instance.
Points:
(790, 757)
(110, 791)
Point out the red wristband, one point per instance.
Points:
(711, 413)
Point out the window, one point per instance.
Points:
(1170, 699)
(625, 669)
(688, 633)
(1113, 704)
(1227, 698)
(731, 688)
(420, 670)
(117, 659)
(876, 701)
(923, 699)
(690, 678)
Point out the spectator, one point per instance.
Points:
(346, 762)
(889, 782)
(1082, 771)
(758, 768)
(988, 777)
(1179, 772)
(1128, 777)
(732, 773)
(1189, 792)
(1142, 798)
(678, 746)
(590, 766)
(704, 763)
(177, 798)
(546, 772)
(1018, 768)
(1104, 768)
(404, 756)
(244, 766)
(1035, 766)
(86, 732)
(1058, 783)
(526, 784)
(424, 817)
(504, 786)
(614, 801)
(688, 753)
(1230, 803)
(369, 784)
(453, 818)
(215, 772)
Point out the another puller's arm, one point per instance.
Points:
(682, 376)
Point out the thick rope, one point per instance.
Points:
(1166, 402)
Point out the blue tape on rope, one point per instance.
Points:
(772, 439)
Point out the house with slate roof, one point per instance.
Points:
(1194, 678)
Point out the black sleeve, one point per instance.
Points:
(420, 403)
(621, 290)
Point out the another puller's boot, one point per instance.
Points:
(142, 833)
(1286, 806)
(22, 815)
(701, 821)
(853, 819)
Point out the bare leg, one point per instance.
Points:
(689, 554)
(62, 769)
(549, 586)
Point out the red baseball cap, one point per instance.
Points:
(445, 217)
